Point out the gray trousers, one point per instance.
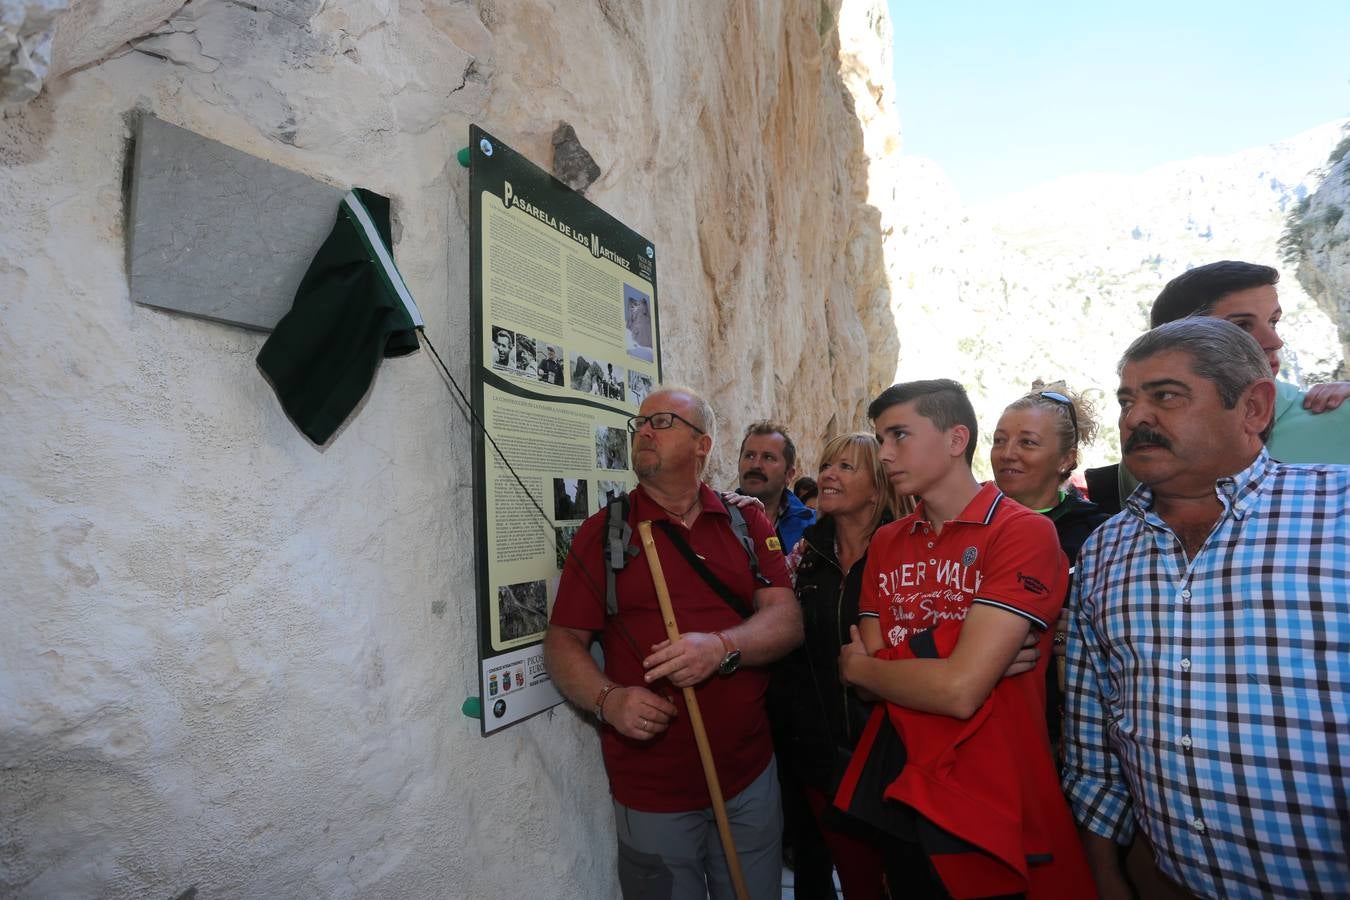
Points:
(678, 856)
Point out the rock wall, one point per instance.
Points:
(1318, 241)
(234, 662)
(26, 32)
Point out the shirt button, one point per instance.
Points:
(1186, 664)
(1199, 825)
(1186, 594)
(1186, 741)
(932, 562)
(930, 545)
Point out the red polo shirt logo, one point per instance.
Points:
(994, 552)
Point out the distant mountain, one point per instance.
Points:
(1056, 281)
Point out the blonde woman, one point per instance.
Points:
(816, 719)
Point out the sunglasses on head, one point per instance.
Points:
(1057, 397)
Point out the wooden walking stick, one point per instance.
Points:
(695, 718)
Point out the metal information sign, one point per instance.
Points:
(565, 347)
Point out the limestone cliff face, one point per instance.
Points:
(235, 662)
(1318, 241)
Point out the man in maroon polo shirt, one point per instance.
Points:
(668, 841)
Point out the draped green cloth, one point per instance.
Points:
(351, 311)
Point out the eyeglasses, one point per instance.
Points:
(660, 421)
(1060, 398)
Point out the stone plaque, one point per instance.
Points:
(217, 233)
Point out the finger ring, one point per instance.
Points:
(1060, 637)
(642, 723)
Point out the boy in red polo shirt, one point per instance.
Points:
(950, 593)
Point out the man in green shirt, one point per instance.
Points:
(1310, 426)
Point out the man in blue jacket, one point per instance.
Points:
(767, 465)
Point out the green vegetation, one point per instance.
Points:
(1295, 235)
(1339, 153)
(1298, 226)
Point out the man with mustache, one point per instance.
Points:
(1209, 647)
(668, 843)
(768, 463)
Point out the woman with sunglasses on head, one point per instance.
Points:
(1035, 450)
(817, 720)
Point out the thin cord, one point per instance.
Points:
(473, 417)
(579, 567)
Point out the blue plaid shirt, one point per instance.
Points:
(1208, 699)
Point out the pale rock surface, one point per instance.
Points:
(1323, 246)
(26, 31)
(233, 661)
(97, 29)
(1056, 281)
(866, 44)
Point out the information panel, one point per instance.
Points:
(565, 348)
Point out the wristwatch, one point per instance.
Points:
(732, 661)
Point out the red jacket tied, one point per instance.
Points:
(980, 795)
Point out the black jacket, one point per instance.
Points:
(1075, 518)
(816, 720)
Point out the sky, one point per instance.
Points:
(1005, 96)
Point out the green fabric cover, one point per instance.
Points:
(346, 318)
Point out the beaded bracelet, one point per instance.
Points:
(600, 702)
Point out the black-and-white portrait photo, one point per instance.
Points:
(525, 361)
(550, 364)
(503, 348)
(614, 386)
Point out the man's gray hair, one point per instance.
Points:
(703, 409)
(1220, 352)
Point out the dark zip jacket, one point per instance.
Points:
(1075, 518)
(816, 720)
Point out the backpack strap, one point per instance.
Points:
(618, 550)
(742, 530)
(728, 596)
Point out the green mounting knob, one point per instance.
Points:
(463, 156)
(472, 707)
